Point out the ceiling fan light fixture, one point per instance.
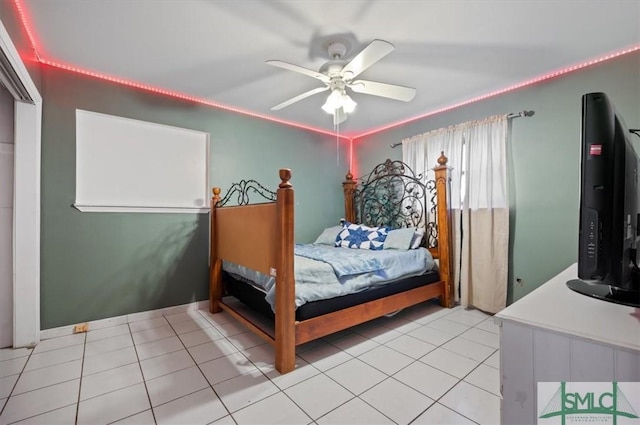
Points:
(348, 104)
(339, 99)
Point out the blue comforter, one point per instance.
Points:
(316, 276)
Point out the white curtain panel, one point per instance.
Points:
(485, 216)
(421, 153)
(480, 221)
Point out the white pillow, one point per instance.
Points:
(417, 238)
(399, 238)
(328, 236)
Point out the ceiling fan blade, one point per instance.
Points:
(299, 69)
(390, 91)
(371, 54)
(299, 97)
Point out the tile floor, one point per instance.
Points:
(424, 365)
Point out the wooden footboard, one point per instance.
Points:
(261, 237)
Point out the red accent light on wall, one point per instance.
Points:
(595, 150)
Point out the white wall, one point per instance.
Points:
(6, 217)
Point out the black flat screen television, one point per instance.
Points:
(609, 206)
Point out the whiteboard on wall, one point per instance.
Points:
(126, 165)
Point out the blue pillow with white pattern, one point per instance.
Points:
(359, 236)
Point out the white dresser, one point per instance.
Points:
(555, 334)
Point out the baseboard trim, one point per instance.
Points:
(127, 318)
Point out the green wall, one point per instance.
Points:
(97, 265)
(544, 160)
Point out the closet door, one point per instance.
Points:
(6, 217)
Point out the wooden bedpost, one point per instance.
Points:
(285, 283)
(215, 264)
(444, 223)
(349, 188)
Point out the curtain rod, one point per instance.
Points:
(524, 113)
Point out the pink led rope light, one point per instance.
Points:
(25, 22)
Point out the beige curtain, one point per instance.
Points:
(485, 216)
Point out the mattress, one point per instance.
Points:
(323, 272)
(255, 297)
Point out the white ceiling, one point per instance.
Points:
(449, 51)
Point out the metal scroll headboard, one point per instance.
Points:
(394, 195)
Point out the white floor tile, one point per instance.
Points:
(175, 385)
(325, 357)
(440, 415)
(450, 362)
(485, 377)
(6, 385)
(228, 328)
(109, 360)
(153, 334)
(159, 347)
(14, 353)
(162, 365)
(54, 357)
(354, 411)
(202, 407)
(311, 345)
(2, 403)
(183, 316)
(143, 325)
(110, 380)
(426, 379)
(113, 406)
(467, 317)
(489, 325)
(212, 350)
(216, 319)
(227, 367)
(191, 325)
(110, 332)
(142, 418)
(355, 344)
(40, 401)
(274, 410)
(305, 395)
(397, 401)
(494, 360)
(106, 345)
(489, 339)
(467, 348)
(385, 359)
(246, 340)
(107, 323)
(423, 313)
(431, 335)
(201, 336)
(244, 390)
(263, 356)
(227, 420)
(379, 333)
(399, 324)
(474, 403)
(63, 416)
(60, 342)
(43, 377)
(356, 376)
(448, 326)
(302, 372)
(12, 366)
(410, 346)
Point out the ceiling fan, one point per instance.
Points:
(338, 75)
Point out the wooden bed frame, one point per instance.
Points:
(261, 237)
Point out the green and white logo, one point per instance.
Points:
(614, 403)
